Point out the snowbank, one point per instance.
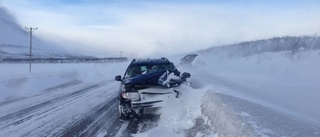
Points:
(223, 118)
(274, 93)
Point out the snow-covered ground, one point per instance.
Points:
(56, 97)
(268, 94)
(281, 80)
(17, 81)
(275, 93)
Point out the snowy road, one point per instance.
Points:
(70, 109)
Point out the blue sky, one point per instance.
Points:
(165, 27)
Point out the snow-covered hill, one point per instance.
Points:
(14, 40)
(277, 44)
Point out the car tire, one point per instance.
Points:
(122, 116)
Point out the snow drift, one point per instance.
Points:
(262, 88)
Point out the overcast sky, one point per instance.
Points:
(164, 27)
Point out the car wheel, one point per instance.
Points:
(122, 116)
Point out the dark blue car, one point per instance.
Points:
(146, 84)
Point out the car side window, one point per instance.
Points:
(143, 69)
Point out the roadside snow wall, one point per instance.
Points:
(224, 120)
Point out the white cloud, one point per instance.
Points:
(168, 28)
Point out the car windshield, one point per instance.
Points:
(144, 69)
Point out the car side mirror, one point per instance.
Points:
(118, 78)
(185, 75)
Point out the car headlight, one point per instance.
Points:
(131, 95)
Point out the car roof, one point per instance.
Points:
(149, 61)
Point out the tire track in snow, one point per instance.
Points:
(64, 85)
(139, 125)
(105, 122)
(90, 124)
(121, 130)
(33, 109)
(100, 120)
(51, 89)
(61, 115)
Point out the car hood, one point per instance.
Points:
(162, 77)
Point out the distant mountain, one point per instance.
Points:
(14, 41)
(249, 48)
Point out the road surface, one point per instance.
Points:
(70, 109)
